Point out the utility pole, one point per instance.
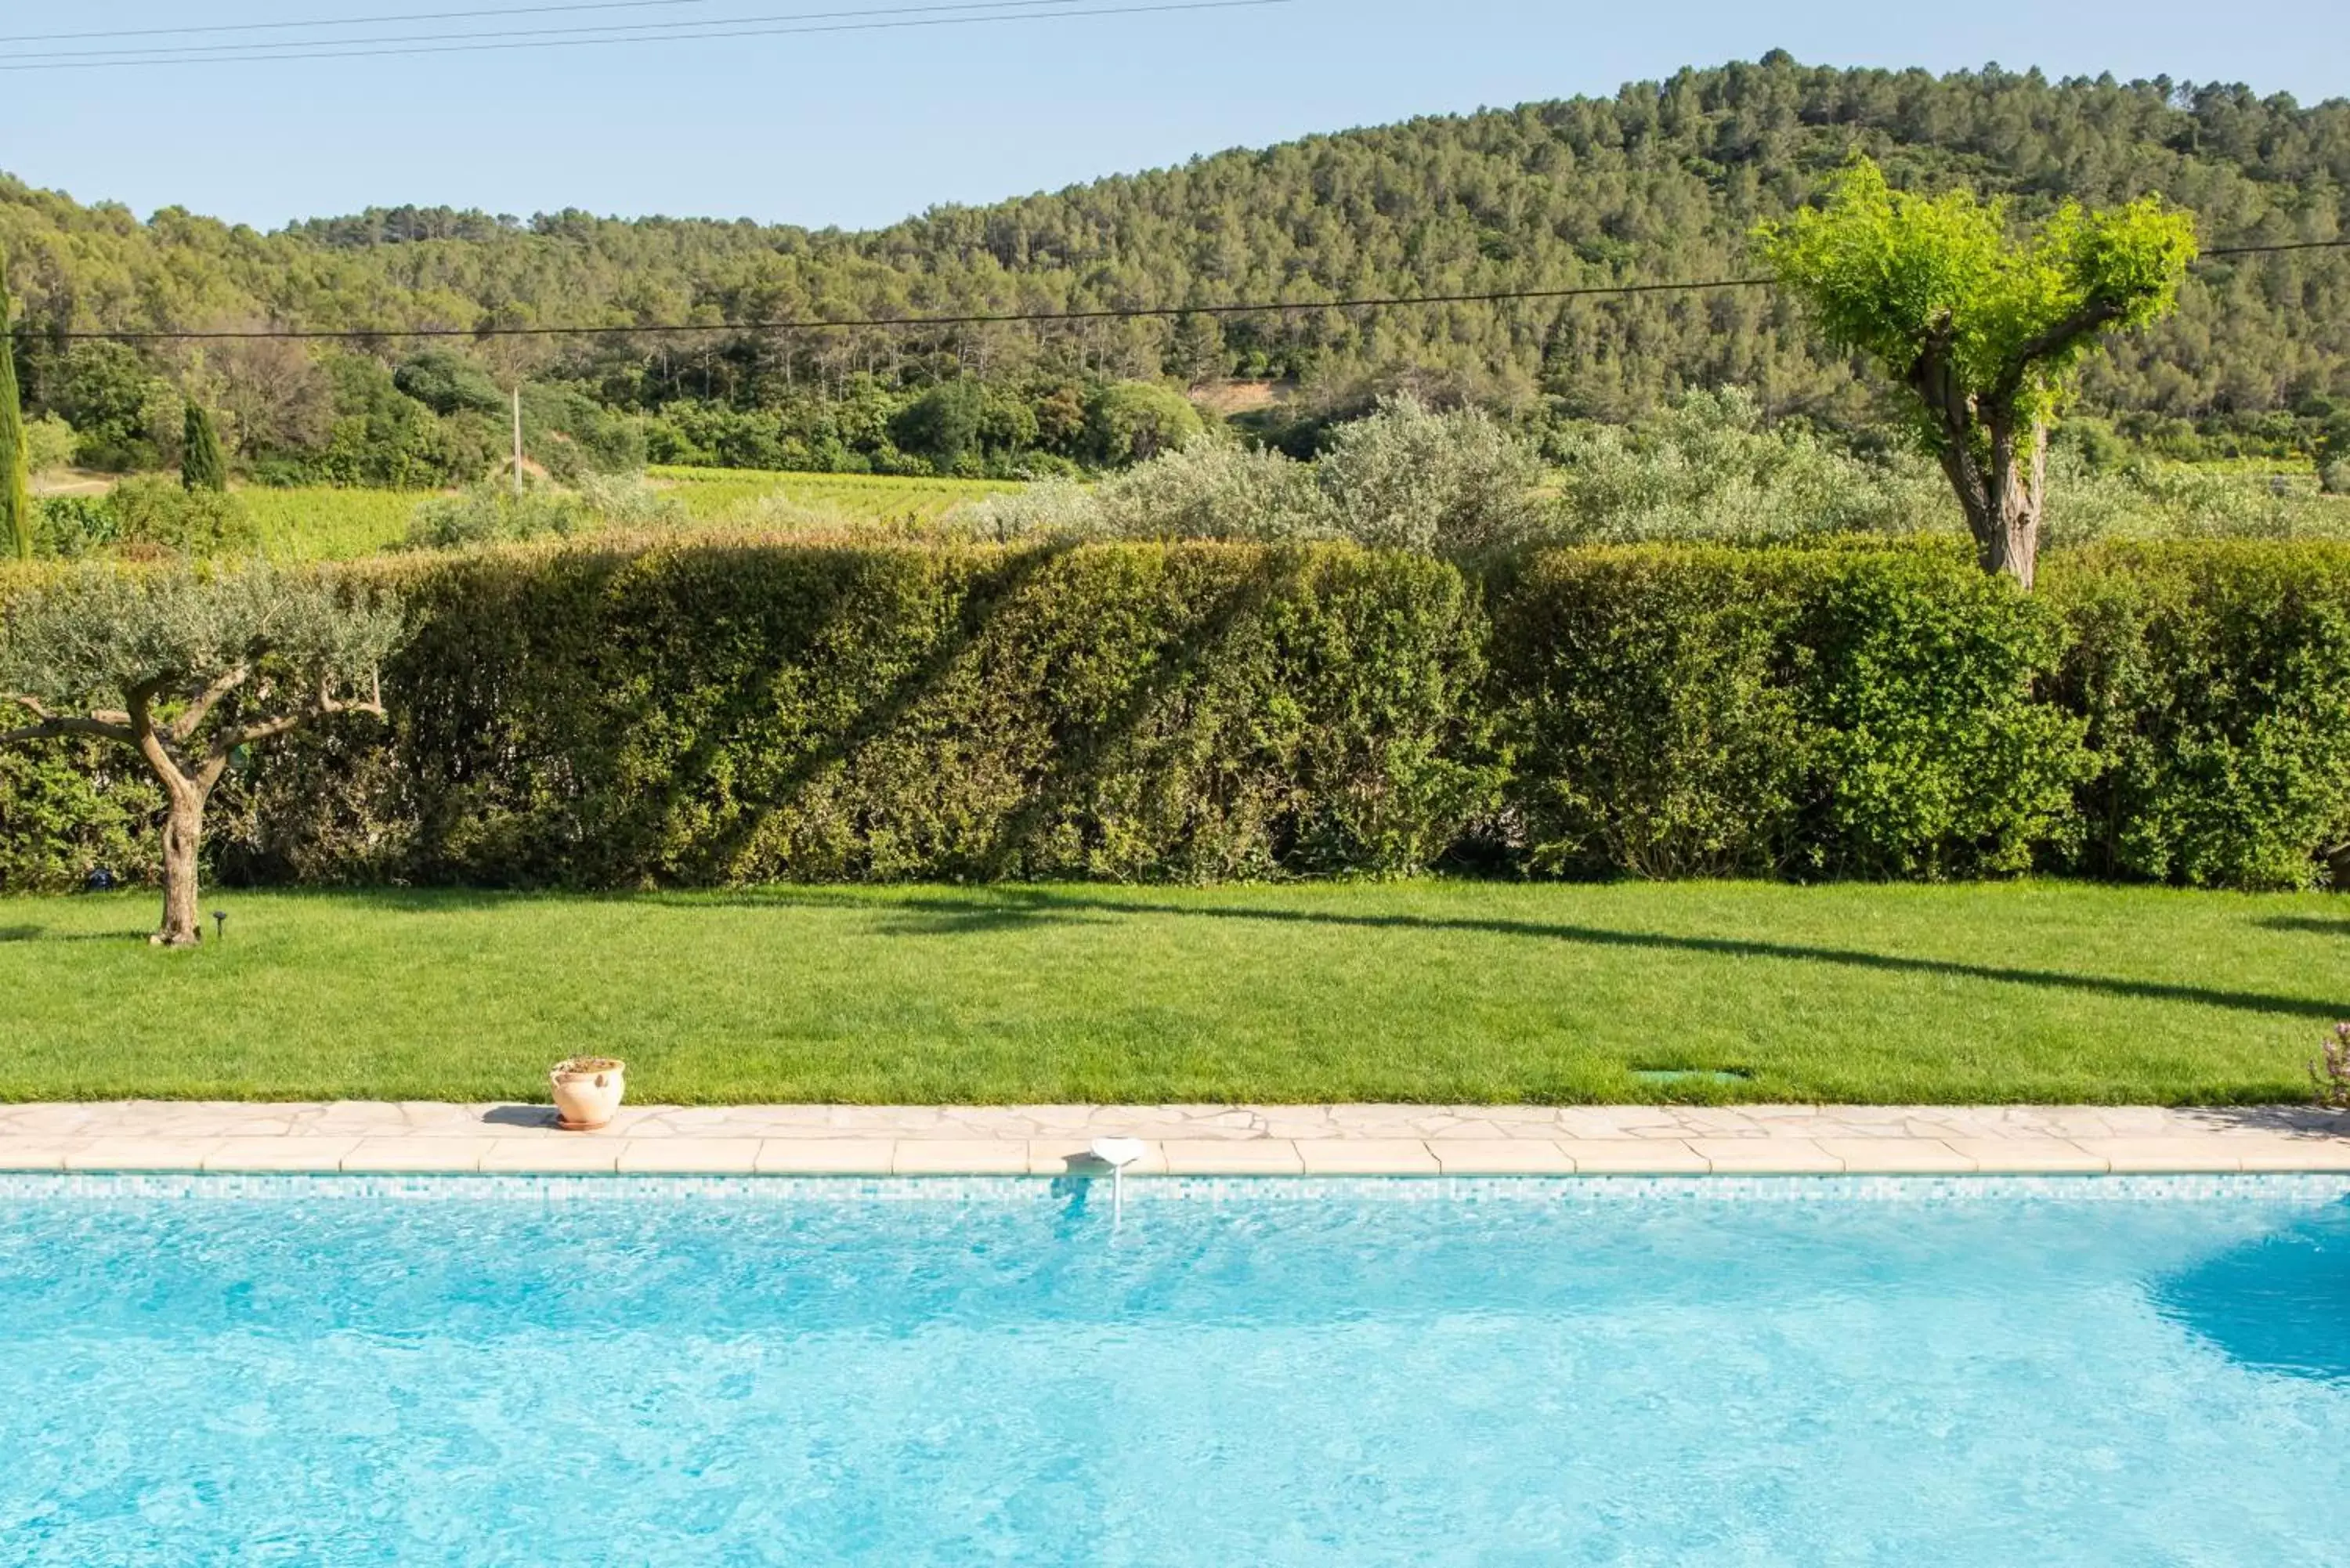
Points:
(517, 439)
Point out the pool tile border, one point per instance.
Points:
(1179, 1142)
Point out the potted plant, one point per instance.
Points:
(588, 1090)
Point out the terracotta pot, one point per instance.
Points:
(588, 1090)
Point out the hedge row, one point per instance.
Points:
(712, 714)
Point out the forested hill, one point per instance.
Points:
(1662, 180)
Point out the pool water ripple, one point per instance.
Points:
(265, 1370)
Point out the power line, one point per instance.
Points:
(1106, 313)
(303, 52)
(350, 21)
(188, 53)
(2269, 250)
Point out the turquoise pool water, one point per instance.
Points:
(472, 1370)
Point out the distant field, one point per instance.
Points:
(326, 524)
(714, 493)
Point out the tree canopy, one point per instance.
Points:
(1988, 331)
(1895, 275)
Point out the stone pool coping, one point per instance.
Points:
(419, 1136)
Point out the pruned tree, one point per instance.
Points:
(1986, 329)
(186, 670)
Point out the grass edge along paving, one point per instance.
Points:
(1429, 990)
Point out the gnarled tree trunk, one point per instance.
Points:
(183, 837)
(2000, 473)
(2007, 537)
(2003, 500)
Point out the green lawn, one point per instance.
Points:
(1427, 990)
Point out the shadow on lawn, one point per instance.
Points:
(2309, 925)
(1015, 907)
(43, 934)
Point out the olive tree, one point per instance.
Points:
(1450, 484)
(1988, 331)
(185, 668)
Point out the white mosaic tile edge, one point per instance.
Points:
(41, 1185)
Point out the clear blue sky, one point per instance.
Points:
(857, 129)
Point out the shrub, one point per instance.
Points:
(1207, 491)
(2215, 680)
(1676, 711)
(50, 444)
(1214, 491)
(2152, 500)
(781, 514)
(71, 807)
(158, 514)
(1058, 508)
(73, 527)
(1040, 465)
(1934, 755)
(1448, 483)
(632, 502)
(1644, 697)
(1133, 422)
(1709, 469)
(492, 513)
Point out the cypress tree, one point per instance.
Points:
(15, 489)
(202, 466)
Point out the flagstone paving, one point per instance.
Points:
(1365, 1139)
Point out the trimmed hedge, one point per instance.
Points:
(2215, 680)
(1677, 711)
(725, 713)
(69, 806)
(699, 715)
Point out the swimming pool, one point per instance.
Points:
(640, 1370)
